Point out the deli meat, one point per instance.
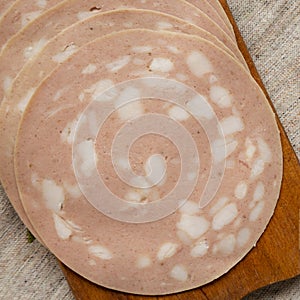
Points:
(57, 51)
(20, 14)
(148, 161)
(30, 40)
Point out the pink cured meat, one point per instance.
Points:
(216, 13)
(73, 37)
(4, 6)
(20, 14)
(191, 246)
(30, 40)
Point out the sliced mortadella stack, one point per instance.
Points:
(214, 13)
(29, 41)
(156, 138)
(218, 7)
(20, 14)
(56, 52)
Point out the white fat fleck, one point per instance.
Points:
(227, 244)
(256, 211)
(143, 261)
(264, 150)
(259, 191)
(142, 49)
(85, 14)
(243, 236)
(155, 168)
(41, 3)
(194, 226)
(74, 226)
(118, 64)
(250, 149)
(173, 49)
(200, 248)
(133, 196)
(179, 273)
(231, 125)
(199, 64)
(130, 111)
(86, 152)
(240, 191)
(220, 96)
(68, 133)
(138, 62)
(212, 79)
(189, 208)
(100, 252)
(179, 114)
(63, 230)
(89, 69)
(225, 216)
(163, 25)
(92, 262)
(181, 77)
(26, 18)
(221, 203)
(129, 94)
(184, 237)
(220, 151)
(65, 54)
(73, 190)
(24, 102)
(81, 97)
(257, 168)
(58, 94)
(128, 24)
(161, 64)
(167, 250)
(35, 180)
(34, 49)
(99, 87)
(7, 84)
(199, 107)
(53, 195)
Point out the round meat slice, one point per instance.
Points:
(58, 50)
(29, 41)
(20, 14)
(173, 131)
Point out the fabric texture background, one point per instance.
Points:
(271, 30)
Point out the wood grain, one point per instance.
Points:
(276, 256)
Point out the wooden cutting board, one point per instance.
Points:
(276, 256)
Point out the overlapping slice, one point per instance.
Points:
(56, 51)
(20, 14)
(192, 245)
(216, 13)
(31, 39)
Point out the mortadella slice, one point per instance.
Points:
(29, 41)
(20, 14)
(56, 51)
(146, 115)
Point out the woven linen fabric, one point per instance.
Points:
(271, 30)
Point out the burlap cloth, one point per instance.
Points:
(271, 30)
